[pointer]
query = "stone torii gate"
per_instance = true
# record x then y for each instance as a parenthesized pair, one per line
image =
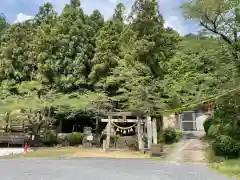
(140, 120)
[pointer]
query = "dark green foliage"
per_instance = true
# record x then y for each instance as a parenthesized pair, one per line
(146, 47)
(179, 134)
(214, 130)
(171, 135)
(114, 139)
(225, 146)
(209, 15)
(49, 138)
(66, 139)
(3, 24)
(63, 139)
(73, 62)
(147, 22)
(204, 70)
(207, 123)
(136, 66)
(223, 127)
(75, 138)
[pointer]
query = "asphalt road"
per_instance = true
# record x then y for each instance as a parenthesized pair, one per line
(102, 169)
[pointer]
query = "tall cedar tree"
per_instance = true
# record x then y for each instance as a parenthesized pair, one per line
(66, 65)
(108, 51)
(141, 69)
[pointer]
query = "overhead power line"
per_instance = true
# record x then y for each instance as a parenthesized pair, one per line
(190, 105)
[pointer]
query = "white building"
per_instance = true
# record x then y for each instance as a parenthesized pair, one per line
(186, 121)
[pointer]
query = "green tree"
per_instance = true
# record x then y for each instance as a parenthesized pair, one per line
(201, 68)
(3, 24)
(148, 23)
(17, 61)
(146, 47)
(217, 17)
(46, 14)
(68, 46)
(108, 46)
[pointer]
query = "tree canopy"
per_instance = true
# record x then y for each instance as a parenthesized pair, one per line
(76, 61)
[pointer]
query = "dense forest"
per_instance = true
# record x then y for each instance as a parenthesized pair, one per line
(73, 62)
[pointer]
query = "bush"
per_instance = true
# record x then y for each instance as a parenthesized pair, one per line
(207, 123)
(63, 139)
(225, 146)
(170, 135)
(49, 138)
(70, 139)
(231, 129)
(75, 138)
(114, 139)
(179, 134)
(214, 130)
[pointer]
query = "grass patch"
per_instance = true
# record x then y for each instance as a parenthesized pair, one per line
(72, 152)
(171, 146)
(230, 167)
(46, 153)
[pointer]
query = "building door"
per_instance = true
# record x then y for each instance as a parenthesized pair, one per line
(188, 121)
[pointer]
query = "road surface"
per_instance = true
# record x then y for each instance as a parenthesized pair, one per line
(103, 169)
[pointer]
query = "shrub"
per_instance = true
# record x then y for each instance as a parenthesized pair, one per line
(179, 134)
(49, 138)
(170, 135)
(231, 129)
(75, 138)
(207, 123)
(214, 130)
(63, 139)
(225, 146)
(70, 139)
(114, 140)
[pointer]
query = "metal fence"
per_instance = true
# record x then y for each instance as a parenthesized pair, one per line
(190, 121)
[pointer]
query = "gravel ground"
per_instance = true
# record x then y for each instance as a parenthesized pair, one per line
(103, 169)
(8, 151)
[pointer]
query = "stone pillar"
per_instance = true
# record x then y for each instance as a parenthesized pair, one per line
(149, 131)
(154, 130)
(140, 135)
(104, 145)
(180, 121)
(109, 127)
